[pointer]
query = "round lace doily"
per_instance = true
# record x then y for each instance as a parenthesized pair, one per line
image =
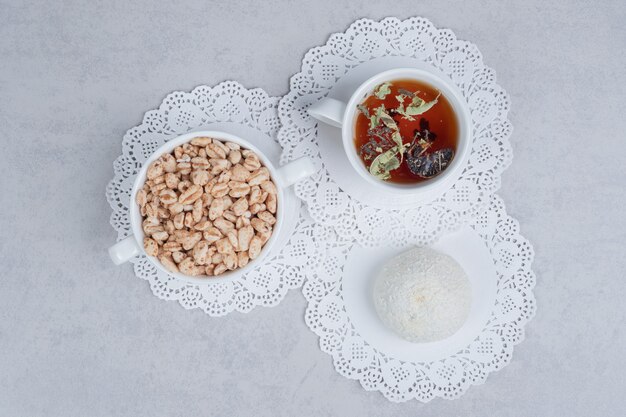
(251, 114)
(451, 375)
(368, 47)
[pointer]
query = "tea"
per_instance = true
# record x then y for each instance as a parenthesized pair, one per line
(406, 132)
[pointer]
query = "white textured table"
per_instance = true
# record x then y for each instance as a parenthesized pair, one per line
(80, 337)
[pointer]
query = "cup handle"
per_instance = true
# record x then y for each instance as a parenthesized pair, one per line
(123, 250)
(329, 111)
(296, 170)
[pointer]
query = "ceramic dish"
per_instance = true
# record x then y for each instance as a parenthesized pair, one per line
(336, 113)
(283, 177)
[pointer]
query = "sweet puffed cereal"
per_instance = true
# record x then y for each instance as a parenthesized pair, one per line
(208, 207)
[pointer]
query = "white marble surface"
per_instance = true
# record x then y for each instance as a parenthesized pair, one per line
(80, 337)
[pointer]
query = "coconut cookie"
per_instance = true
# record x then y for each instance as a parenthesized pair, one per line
(422, 295)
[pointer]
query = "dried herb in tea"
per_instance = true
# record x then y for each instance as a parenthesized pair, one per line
(406, 132)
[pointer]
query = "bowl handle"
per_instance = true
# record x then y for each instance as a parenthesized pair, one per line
(295, 170)
(123, 250)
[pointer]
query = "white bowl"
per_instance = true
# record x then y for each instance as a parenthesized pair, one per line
(283, 177)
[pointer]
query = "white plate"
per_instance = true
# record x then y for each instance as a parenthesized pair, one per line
(361, 268)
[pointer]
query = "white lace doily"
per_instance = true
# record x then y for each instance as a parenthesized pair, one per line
(388, 43)
(229, 107)
(398, 380)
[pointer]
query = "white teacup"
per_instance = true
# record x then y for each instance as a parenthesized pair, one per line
(343, 115)
(283, 177)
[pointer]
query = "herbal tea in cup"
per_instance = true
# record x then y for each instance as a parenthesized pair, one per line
(403, 130)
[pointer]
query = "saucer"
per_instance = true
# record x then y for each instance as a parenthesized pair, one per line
(468, 249)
